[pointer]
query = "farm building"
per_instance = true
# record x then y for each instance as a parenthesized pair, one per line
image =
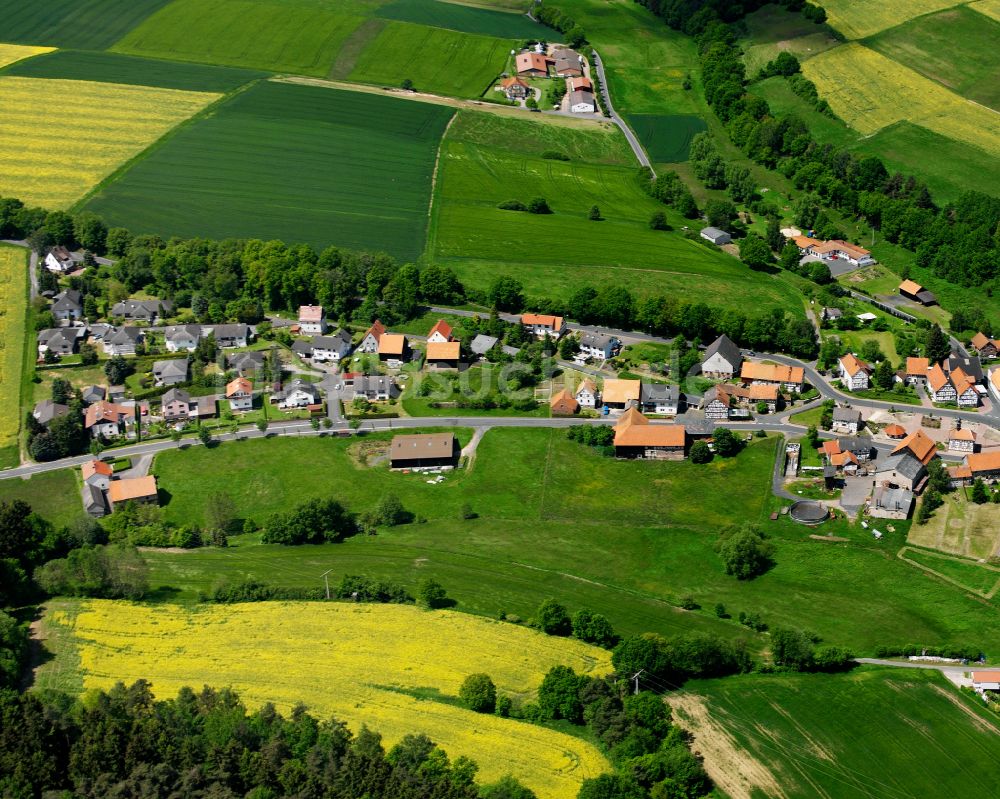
(423, 450)
(716, 236)
(514, 88)
(619, 393)
(722, 359)
(444, 354)
(393, 349)
(914, 291)
(918, 444)
(440, 333)
(972, 366)
(790, 378)
(563, 404)
(635, 437)
(900, 471)
(891, 503)
(985, 681)
(985, 465)
(582, 102)
(133, 489)
(567, 63)
(833, 249)
(312, 320)
(916, 370)
(533, 64)
(984, 346)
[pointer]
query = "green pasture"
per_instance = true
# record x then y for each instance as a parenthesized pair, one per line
(667, 138)
(434, 60)
(118, 68)
(773, 29)
(298, 36)
(872, 732)
(783, 102)
(465, 19)
(969, 573)
(291, 162)
(955, 47)
(55, 495)
(91, 24)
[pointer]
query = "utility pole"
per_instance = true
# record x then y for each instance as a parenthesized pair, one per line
(635, 679)
(326, 581)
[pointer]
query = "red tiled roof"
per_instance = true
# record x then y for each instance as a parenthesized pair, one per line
(441, 327)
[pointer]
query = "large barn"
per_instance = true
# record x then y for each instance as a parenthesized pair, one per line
(424, 450)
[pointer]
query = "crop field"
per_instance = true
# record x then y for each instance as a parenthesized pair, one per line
(466, 19)
(435, 60)
(330, 167)
(869, 92)
(87, 24)
(991, 8)
(12, 53)
(13, 312)
(857, 19)
(297, 37)
(667, 138)
(873, 732)
(55, 165)
(118, 68)
(386, 666)
(961, 528)
(928, 45)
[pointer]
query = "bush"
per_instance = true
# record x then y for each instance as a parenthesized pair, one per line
(115, 571)
(555, 155)
(553, 618)
(512, 205)
(658, 221)
(432, 594)
(361, 589)
(700, 452)
(478, 693)
(538, 205)
(745, 552)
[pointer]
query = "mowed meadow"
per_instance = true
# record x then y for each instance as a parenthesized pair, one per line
(292, 162)
(396, 669)
(44, 162)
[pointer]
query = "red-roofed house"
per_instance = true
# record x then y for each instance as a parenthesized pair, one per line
(542, 325)
(311, 320)
(514, 88)
(855, 374)
(369, 342)
(440, 333)
(984, 346)
(535, 65)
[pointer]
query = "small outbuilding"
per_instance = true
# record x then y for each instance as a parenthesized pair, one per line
(716, 236)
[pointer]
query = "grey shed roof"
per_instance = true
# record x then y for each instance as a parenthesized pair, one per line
(893, 498)
(333, 341)
(972, 366)
(47, 410)
(482, 344)
(903, 463)
(302, 347)
(652, 392)
(175, 368)
(581, 97)
(714, 232)
(93, 394)
(846, 415)
(93, 499)
(855, 445)
(725, 347)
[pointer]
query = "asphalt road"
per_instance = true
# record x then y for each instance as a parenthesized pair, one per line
(633, 142)
(954, 673)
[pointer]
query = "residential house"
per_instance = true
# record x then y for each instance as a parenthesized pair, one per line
(47, 411)
(60, 260)
(855, 374)
(847, 420)
(60, 340)
(914, 291)
(239, 392)
(535, 65)
(901, 470)
(983, 681)
(986, 347)
(92, 394)
(586, 393)
(582, 102)
(568, 64)
(440, 333)
(133, 489)
(245, 363)
(598, 346)
(984, 465)
(841, 460)
(514, 88)
(971, 365)
(838, 249)
(717, 403)
(735, 401)
(122, 341)
(444, 355)
(939, 387)
(334, 347)
(178, 405)
(580, 84)
(423, 451)
(994, 383)
(375, 388)
(230, 336)
(148, 311)
(97, 473)
(859, 446)
(109, 419)
(393, 350)
(661, 399)
(370, 340)
(966, 389)
(620, 394)
(312, 320)
(722, 359)
(916, 370)
(482, 344)
(564, 404)
(182, 338)
(918, 444)
(636, 437)
(303, 347)
(170, 373)
(789, 378)
(891, 503)
(298, 394)
(716, 236)
(830, 314)
(67, 306)
(542, 325)
(961, 439)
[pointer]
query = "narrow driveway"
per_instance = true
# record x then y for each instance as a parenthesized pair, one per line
(633, 141)
(954, 673)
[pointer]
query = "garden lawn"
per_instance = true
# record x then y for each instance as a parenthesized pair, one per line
(55, 165)
(298, 37)
(465, 19)
(54, 495)
(397, 669)
(118, 68)
(88, 24)
(434, 60)
(329, 166)
(13, 323)
(872, 732)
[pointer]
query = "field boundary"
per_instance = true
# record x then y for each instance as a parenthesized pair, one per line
(432, 204)
(964, 561)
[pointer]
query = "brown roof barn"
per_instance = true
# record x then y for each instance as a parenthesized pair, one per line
(564, 404)
(423, 449)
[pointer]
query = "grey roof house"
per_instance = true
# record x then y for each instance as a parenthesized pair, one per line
(67, 305)
(246, 362)
(92, 394)
(482, 344)
(47, 410)
(60, 340)
(661, 398)
(170, 373)
(847, 420)
(375, 387)
(142, 310)
(599, 345)
(722, 359)
(182, 337)
(230, 335)
(122, 341)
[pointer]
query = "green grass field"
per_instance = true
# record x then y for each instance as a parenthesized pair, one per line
(938, 46)
(300, 37)
(53, 494)
(773, 29)
(118, 68)
(91, 24)
(667, 138)
(465, 19)
(974, 576)
(282, 147)
(873, 732)
(435, 60)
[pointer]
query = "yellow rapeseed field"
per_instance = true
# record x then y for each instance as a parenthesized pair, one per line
(355, 662)
(857, 19)
(9, 53)
(869, 92)
(59, 138)
(990, 8)
(13, 310)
